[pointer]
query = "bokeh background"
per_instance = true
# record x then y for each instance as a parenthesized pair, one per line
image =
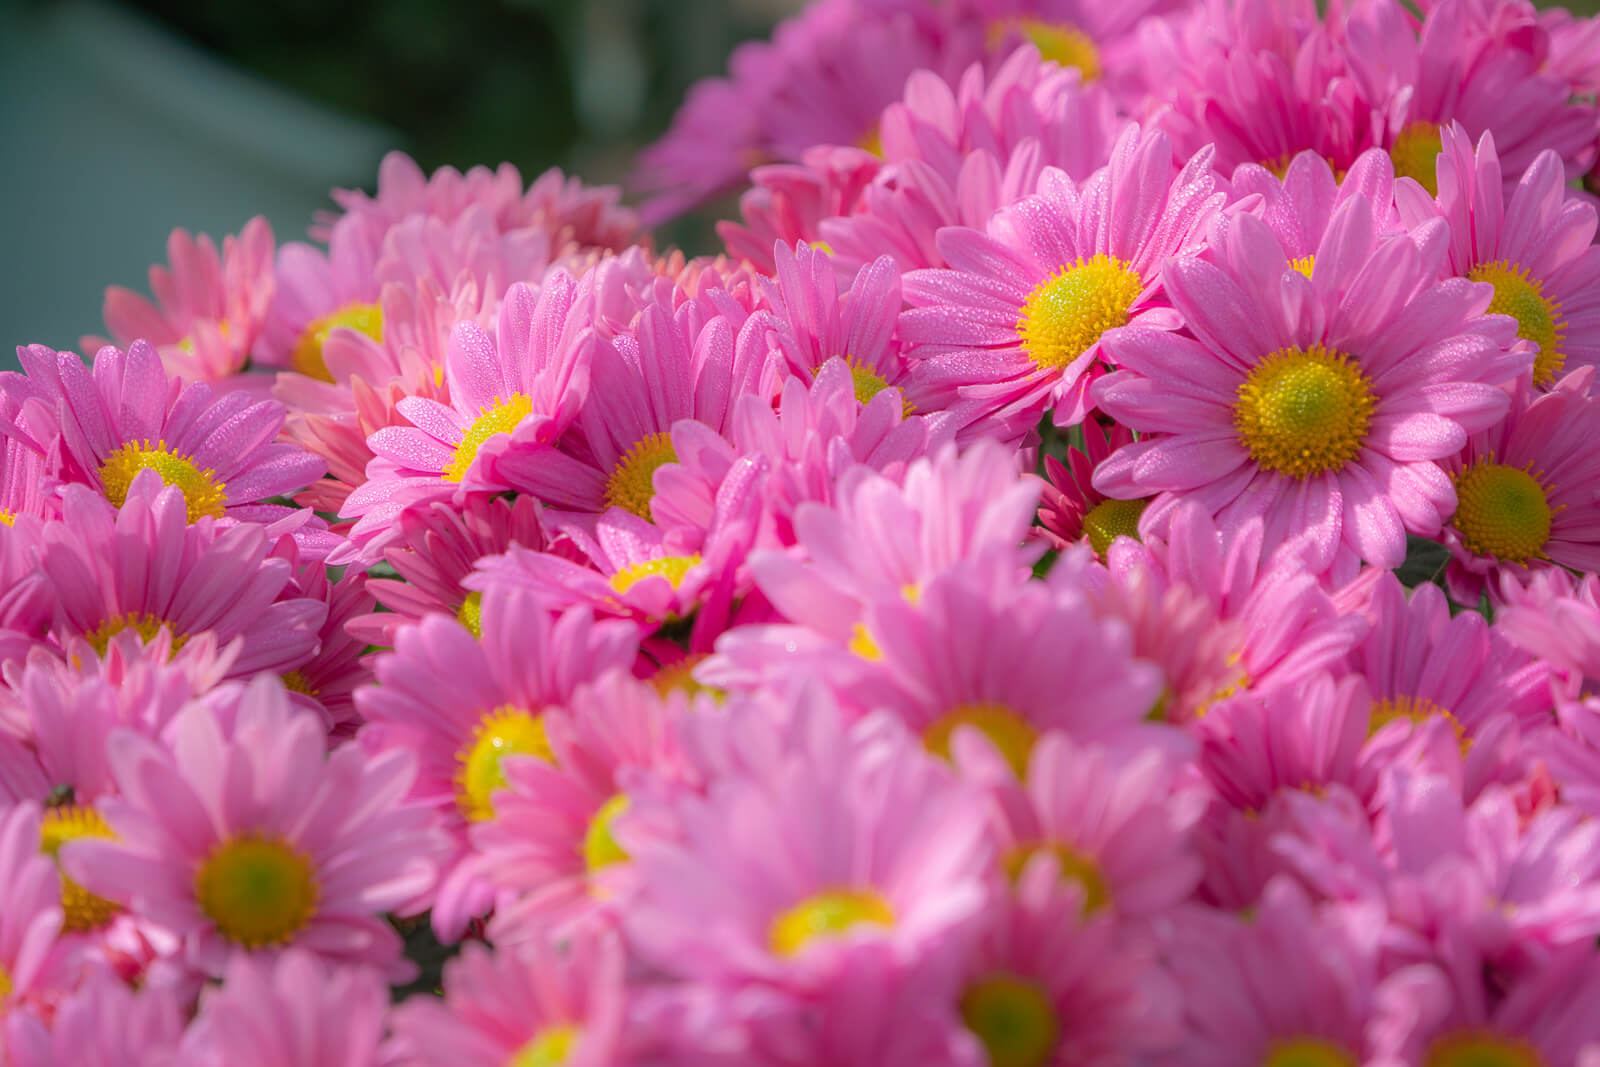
(121, 121)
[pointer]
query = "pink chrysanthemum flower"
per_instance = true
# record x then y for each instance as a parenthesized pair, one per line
(906, 863)
(1092, 39)
(515, 391)
(1241, 1004)
(244, 836)
(1048, 987)
(1533, 241)
(1322, 402)
(124, 415)
(317, 293)
(438, 546)
(102, 1023)
(208, 309)
(1525, 491)
(1072, 509)
(1473, 63)
(31, 920)
(787, 202)
(1110, 821)
(555, 847)
(1420, 662)
(145, 569)
(1556, 618)
(1219, 613)
(463, 704)
(296, 1008)
(1016, 323)
(327, 681)
(536, 1003)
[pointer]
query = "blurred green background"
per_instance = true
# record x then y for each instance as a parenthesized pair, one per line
(120, 121)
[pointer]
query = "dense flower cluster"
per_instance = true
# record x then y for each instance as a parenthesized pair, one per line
(1102, 571)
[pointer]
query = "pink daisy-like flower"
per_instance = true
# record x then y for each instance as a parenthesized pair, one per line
(1533, 241)
(1048, 987)
(124, 416)
(31, 920)
(1072, 509)
(438, 546)
(144, 568)
(328, 680)
(787, 202)
(1111, 821)
(244, 836)
(1242, 1004)
(1323, 403)
(293, 1009)
(515, 391)
(535, 1003)
(746, 891)
(319, 293)
(463, 704)
(208, 309)
(555, 846)
(1524, 491)
(1092, 39)
(1016, 323)
(1420, 662)
(102, 1023)
(1556, 618)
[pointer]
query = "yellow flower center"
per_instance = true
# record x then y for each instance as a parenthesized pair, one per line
(1417, 710)
(1416, 155)
(1304, 411)
(672, 568)
(825, 915)
(1469, 1048)
(868, 383)
(550, 1047)
(1009, 732)
(5, 984)
(257, 890)
(297, 682)
(632, 483)
(1307, 1052)
(505, 731)
(1074, 866)
(1539, 318)
(1111, 519)
(1013, 1018)
(81, 910)
(502, 416)
(202, 492)
(679, 677)
(470, 613)
(600, 848)
(307, 356)
(871, 141)
(1059, 42)
(1304, 264)
(1502, 512)
(8, 517)
(143, 623)
(1070, 310)
(862, 644)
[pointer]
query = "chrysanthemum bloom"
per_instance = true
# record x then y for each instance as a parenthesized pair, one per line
(1242, 1004)
(1049, 988)
(296, 1008)
(1476, 64)
(1422, 663)
(1532, 241)
(101, 1023)
(1557, 618)
(537, 1003)
(1072, 509)
(808, 439)
(245, 836)
(1016, 322)
(555, 846)
(1110, 821)
(144, 568)
(906, 863)
(1219, 612)
(786, 202)
(1323, 404)
(31, 920)
(674, 364)
(317, 293)
(327, 681)
(1525, 492)
(124, 415)
(208, 309)
(463, 703)
(954, 154)
(516, 390)
(1094, 40)
(438, 545)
